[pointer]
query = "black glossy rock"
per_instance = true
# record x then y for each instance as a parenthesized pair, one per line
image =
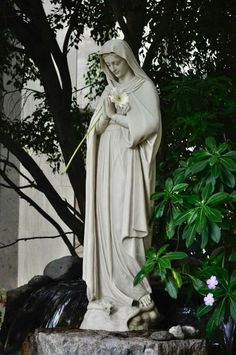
(65, 268)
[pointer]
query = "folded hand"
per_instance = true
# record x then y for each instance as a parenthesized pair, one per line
(108, 108)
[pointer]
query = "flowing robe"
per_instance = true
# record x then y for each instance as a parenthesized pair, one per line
(121, 171)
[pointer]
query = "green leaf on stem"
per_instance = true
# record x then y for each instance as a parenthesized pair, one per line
(231, 154)
(171, 288)
(181, 218)
(216, 318)
(175, 255)
(228, 163)
(232, 281)
(213, 214)
(179, 187)
(233, 309)
(215, 232)
(232, 257)
(204, 239)
(207, 191)
(159, 209)
(217, 198)
(210, 143)
(177, 277)
(203, 309)
(197, 283)
(228, 178)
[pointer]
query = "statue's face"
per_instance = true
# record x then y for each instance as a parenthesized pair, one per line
(117, 65)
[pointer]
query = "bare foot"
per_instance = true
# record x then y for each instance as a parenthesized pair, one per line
(145, 301)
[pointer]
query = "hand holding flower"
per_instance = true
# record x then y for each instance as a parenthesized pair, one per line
(122, 110)
(108, 108)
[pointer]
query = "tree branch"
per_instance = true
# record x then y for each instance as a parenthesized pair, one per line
(31, 238)
(40, 44)
(45, 186)
(41, 211)
(165, 20)
(71, 27)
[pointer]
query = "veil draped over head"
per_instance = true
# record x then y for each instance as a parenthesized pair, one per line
(123, 50)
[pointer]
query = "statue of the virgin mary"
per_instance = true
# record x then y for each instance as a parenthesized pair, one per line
(121, 172)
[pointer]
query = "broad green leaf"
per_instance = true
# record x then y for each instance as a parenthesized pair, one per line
(177, 277)
(157, 195)
(151, 253)
(216, 318)
(162, 249)
(161, 272)
(193, 199)
(223, 147)
(210, 143)
(211, 180)
(233, 196)
(232, 257)
(181, 218)
(201, 220)
(233, 309)
(176, 198)
(171, 288)
(223, 277)
(193, 213)
(169, 184)
(207, 191)
(203, 309)
(197, 167)
(149, 266)
(231, 154)
(197, 283)
(200, 154)
(190, 234)
(215, 170)
(175, 255)
(159, 209)
(228, 178)
(213, 214)
(215, 232)
(233, 279)
(139, 277)
(217, 198)
(179, 187)
(164, 263)
(204, 239)
(170, 229)
(228, 163)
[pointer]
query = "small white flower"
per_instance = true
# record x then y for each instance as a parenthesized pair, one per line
(118, 97)
(212, 282)
(209, 299)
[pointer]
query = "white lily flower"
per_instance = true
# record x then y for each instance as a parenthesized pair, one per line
(119, 98)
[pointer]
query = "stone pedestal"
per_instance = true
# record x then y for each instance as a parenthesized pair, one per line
(86, 342)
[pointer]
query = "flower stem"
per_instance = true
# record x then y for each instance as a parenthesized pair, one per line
(81, 142)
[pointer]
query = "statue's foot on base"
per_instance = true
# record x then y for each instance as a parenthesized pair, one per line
(146, 317)
(146, 302)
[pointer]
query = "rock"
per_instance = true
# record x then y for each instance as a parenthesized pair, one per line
(189, 331)
(84, 342)
(65, 268)
(177, 332)
(161, 335)
(39, 280)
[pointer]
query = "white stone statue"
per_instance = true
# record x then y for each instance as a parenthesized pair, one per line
(121, 174)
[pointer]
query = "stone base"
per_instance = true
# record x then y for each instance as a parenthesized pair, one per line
(106, 316)
(85, 342)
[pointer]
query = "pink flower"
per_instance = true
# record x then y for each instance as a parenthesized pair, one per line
(212, 282)
(209, 299)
